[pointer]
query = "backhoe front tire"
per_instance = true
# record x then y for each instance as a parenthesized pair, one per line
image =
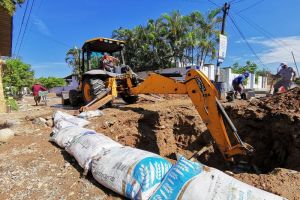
(91, 88)
(73, 97)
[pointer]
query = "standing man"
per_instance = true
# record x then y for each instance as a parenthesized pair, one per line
(238, 84)
(36, 88)
(286, 75)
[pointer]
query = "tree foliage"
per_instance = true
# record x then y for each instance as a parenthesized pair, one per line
(73, 59)
(17, 74)
(10, 5)
(171, 39)
(239, 69)
(51, 82)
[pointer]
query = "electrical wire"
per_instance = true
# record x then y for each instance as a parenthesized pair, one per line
(263, 31)
(28, 18)
(17, 41)
(214, 3)
(53, 39)
(251, 6)
(234, 2)
(245, 40)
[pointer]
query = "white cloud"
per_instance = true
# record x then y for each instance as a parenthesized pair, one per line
(48, 65)
(278, 50)
(41, 26)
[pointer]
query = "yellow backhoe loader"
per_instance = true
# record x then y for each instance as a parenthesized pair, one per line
(98, 87)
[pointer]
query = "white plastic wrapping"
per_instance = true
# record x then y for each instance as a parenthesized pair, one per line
(187, 180)
(60, 116)
(130, 172)
(64, 136)
(88, 145)
(216, 185)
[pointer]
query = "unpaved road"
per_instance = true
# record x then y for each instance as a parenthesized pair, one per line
(33, 168)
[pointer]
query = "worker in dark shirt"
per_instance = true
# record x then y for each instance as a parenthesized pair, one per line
(36, 88)
(238, 83)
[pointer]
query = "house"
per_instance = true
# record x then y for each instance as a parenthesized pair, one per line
(72, 84)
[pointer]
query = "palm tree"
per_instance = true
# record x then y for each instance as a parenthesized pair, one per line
(210, 30)
(73, 59)
(171, 39)
(175, 29)
(10, 5)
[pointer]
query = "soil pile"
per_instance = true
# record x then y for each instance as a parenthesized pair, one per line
(280, 181)
(160, 128)
(285, 103)
(272, 126)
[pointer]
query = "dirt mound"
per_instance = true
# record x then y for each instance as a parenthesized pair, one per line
(286, 102)
(160, 128)
(280, 181)
(272, 126)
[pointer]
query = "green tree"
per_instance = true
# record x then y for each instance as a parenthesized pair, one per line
(51, 82)
(239, 69)
(17, 74)
(73, 59)
(10, 5)
(171, 39)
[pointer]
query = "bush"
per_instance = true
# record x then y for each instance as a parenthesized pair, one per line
(12, 103)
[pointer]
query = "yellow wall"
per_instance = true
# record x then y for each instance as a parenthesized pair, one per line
(2, 100)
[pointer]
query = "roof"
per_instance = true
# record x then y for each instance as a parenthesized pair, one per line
(70, 76)
(103, 45)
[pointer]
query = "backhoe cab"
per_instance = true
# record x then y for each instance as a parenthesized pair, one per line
(93, 78)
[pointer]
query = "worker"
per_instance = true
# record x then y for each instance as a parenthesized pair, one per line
(108, 62)
(238, 83)
(36, 88)
(286, 75)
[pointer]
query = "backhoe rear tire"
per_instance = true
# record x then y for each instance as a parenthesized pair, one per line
(130, 99)
(91, 88)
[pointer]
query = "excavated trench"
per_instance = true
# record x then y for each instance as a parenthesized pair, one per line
(273, 131)
(275, 136)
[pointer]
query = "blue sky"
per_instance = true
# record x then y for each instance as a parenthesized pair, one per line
(56, 26)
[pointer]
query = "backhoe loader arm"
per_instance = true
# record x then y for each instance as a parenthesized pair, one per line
(205, 99)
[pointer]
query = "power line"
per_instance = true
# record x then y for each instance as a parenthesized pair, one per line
(214, 3)
(17, 41)
(25, 27)
(244, 38)
(54, 40)
(251, 6)
(263, 31)
(234, 2)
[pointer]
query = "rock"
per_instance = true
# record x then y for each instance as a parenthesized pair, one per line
(6, 134)
(254, 101)
(40, 185)
(71, 194)
(49, 122)
(12, 122)
(67, 165)
(49, 117)
(39, 121)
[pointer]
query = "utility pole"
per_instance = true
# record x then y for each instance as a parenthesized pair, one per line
(225, 13)
(225, 10)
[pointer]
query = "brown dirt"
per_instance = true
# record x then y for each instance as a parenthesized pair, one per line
(280, 181)
(272, 126)
(33, 168)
